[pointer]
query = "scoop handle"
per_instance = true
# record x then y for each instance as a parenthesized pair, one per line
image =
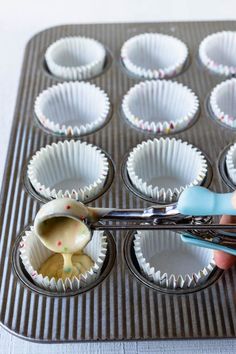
(200, 201)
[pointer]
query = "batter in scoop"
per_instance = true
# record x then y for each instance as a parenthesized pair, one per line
(64, 235)
(54, 266)
(68, 237)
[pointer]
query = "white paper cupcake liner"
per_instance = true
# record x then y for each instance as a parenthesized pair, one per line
(170, 263)
(160, 106)
(71, 169)
(33, 254)
(231, 163)
(154, 55)
(223, 102)
(217, 52)
(72, 108)
(75, 58)
(162, 168)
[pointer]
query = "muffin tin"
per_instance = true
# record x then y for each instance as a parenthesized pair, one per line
(122, 303)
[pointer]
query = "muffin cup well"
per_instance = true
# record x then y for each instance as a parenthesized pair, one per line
(154, 55)
(160, 106)
(231, 163)
(75, 58)
(162, 168)
(72, 108)
(71, 169)
(223, 102)
(33, 254)
(217, 53)
(170, 263)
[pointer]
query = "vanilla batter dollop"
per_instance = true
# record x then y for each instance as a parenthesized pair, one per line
(54, 266)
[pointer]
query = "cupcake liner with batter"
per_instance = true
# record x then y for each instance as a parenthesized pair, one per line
(33, 254)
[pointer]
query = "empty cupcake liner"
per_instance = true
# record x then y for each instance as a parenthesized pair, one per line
(71, 169)
(72, 108)
(231, 163)
(33, 254)
(170, 263)
(160, 106)
(223, 102)
(217, 52)
(75, 58)
(154, 55)
(162, 168)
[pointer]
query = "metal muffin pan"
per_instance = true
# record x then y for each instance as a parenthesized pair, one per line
(123, 305)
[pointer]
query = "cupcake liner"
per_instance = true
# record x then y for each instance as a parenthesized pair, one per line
(33, 254)
(217, 52)
(72, 108)
(71, 169)
(160, 106)
(231, 163)
(75, 58)
(154, 55)
(162, 168)
(170, 263)
(223, 102)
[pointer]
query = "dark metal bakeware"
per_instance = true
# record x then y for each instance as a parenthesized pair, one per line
(122, 306)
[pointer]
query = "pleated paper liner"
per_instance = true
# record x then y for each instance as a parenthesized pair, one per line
(72, 108)
(170, 263)
(160, 106)
(154, 55)
(71, 169)
(33, 254)
(217, 53)
(75, 58)
(231, 163)
(163, 168)
(223, 102)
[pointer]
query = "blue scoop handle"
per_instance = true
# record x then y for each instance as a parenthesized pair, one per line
(200, 201)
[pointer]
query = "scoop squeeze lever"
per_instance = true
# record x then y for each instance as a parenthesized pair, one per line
(200, 201)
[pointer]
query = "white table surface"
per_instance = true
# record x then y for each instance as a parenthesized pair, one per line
(20, 20)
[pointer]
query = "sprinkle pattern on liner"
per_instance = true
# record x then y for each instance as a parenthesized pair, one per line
(160, 106)
(48, 170)
(75, 58)
(72, 108)
(217, 53)
(154, 55)
(162, 168)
